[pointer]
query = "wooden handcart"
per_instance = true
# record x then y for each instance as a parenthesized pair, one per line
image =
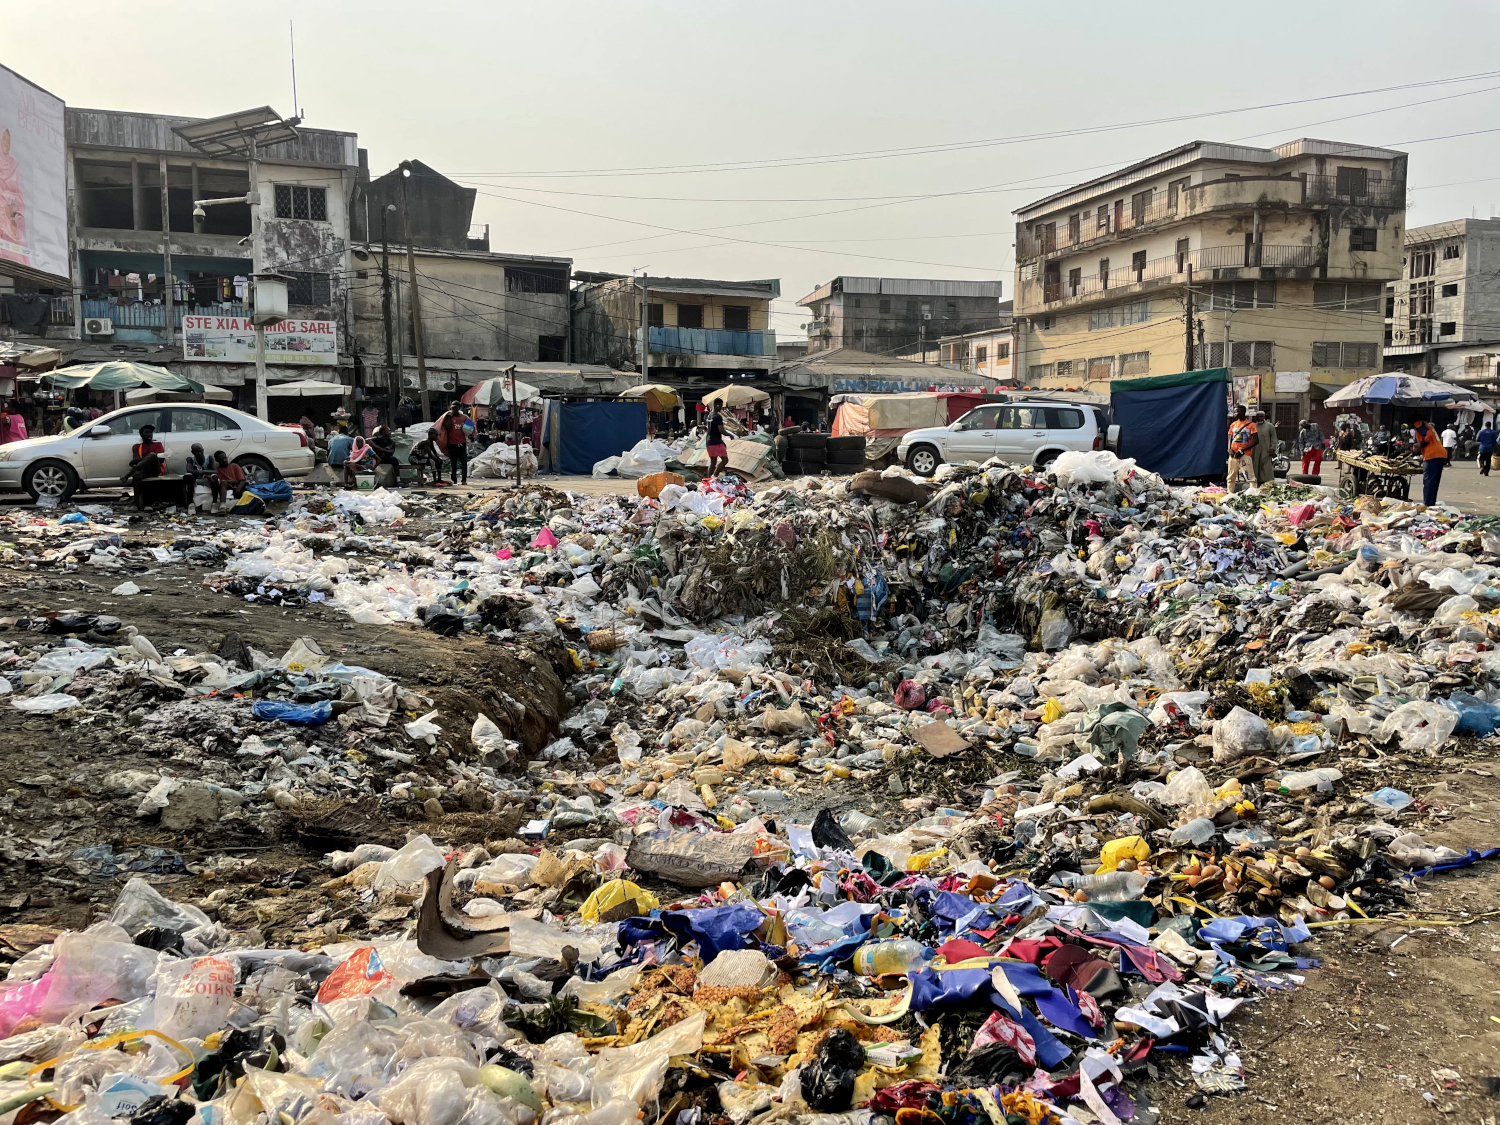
(1362, 474)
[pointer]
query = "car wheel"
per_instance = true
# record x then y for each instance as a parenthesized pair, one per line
(51, 479)
(257, 469)
(1045, 459)
(923, 460)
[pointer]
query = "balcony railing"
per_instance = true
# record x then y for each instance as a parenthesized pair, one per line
(139, 315)
(1372, 193)
(59, 312)
(1203, 259)
(1312, 189)
(712, 341)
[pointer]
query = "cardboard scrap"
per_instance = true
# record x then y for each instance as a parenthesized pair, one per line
(939, 739)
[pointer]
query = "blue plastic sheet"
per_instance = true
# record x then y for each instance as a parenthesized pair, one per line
(588, 432)
(273, 491)
(1177, 432)
(1266, 931)
(1471, 856)
(715, 928)
(1475, 716)
(297, 714)
(1061, 1012)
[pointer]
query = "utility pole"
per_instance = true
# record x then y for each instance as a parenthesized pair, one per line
(1189, 365)
(515, 420)
(645, 321)
(416, 304)
(166, 251)
(262, 408)
(392, 373)
(1228, 316)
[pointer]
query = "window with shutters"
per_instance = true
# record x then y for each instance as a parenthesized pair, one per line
(1075, 282)
(1135, 363)
(1104, 273)
(1102, 222)
(1354, 296)
(1075, 228)
(295, 201)
(1140, 203)
(1352, 181)
(1361, 238)
(1138, 264)
(981, 354)
(1002, 350)
(1065, 369)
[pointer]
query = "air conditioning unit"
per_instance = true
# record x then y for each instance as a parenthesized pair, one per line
(98, 326)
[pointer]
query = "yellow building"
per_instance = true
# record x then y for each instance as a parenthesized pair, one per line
(1280, 257)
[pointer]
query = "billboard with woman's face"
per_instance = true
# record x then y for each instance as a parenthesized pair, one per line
(33, 181)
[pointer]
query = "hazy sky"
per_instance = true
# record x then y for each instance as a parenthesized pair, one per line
(487, 91)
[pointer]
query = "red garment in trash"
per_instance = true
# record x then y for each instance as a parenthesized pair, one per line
(1033, 949)
(960, 949)
(1000, 1028)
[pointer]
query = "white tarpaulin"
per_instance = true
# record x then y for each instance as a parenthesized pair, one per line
(33, 177)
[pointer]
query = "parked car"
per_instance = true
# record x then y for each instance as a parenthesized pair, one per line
(99, 453)
(1023, 433)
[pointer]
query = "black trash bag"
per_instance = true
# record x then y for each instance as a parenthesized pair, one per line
(826, 833)
(502, 1056)
(161, 1110)
(444, 624)
(828, 1081)
(1054, 860)
(996, 1064)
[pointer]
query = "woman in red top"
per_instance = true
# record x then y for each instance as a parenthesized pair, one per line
(454, 439)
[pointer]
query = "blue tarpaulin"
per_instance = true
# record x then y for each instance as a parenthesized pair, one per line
(1175, 425)
(591, 431)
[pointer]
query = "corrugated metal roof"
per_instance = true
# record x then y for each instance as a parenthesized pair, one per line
(904, 287)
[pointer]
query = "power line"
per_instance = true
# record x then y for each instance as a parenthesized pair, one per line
(958, 146)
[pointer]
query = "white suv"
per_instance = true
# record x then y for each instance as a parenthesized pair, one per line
(98, 453)
(1023, 433)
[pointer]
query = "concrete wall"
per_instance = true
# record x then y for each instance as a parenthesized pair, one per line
(441, 211)
(467, 310)
(856, 320)
(607, 320)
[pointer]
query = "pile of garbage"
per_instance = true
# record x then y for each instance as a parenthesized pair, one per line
(979, 795)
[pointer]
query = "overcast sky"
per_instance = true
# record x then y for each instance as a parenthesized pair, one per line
(487, 91)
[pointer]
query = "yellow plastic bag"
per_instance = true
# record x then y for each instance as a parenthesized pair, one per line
(1126, 847)
(1052, 710)
(615, 893)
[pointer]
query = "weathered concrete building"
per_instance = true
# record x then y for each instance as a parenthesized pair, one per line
(1287, 249)
(888, 315)
(132, 185)
(1442, 315)
(487, 309)
(700, 330)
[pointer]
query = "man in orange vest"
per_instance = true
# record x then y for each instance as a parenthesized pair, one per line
(1242, 440)
(1434, 457)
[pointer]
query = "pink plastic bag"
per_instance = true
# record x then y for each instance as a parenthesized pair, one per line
(910, 695)
(544, 538)
(21, 1002)
(1300, 514)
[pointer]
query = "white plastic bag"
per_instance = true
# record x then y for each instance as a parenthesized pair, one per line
(46, 704)
(432, 1091)
(1420, 725)
(1241, 734)
(424, 729)
(1187, 787)
(409, 865)
(193, 996)
(1097, 467)
(491, 742)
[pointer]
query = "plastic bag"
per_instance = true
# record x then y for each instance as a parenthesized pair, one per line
(1186, 787)
(791, 721)
(98, 964)
(537, 939)
(910, 696)
(193, 997)
(1055, 630)
(1240, 734)
(429, 1092)
(361, 973)
(409, 865)
(490, 740)
(1420, 725)
(828, 1080)
(46, 704)
(142, 907)
(297, 714)
(424, 729)
(636, 1072)
(603, 469)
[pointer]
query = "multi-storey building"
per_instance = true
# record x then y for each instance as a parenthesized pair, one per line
(1442, 316)
(1279, 255)
(896, 315)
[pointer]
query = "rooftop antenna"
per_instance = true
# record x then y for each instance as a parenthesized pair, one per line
(291, 29)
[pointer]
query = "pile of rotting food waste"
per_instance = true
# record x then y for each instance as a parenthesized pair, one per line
(986, 799)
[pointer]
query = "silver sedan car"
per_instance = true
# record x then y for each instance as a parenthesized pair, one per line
(98, 453)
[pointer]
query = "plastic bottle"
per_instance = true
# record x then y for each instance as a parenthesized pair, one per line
(1197, 831)
(880, 958)
(1321, 779)
(1115, 886)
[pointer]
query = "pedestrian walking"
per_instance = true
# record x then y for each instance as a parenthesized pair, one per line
(1486, 439)
(1242, 438)
(1310, 446)
(1434, 457)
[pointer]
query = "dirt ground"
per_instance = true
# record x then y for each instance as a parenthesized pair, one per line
(1375, 1034)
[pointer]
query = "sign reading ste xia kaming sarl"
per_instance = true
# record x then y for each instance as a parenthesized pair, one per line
(231, 339)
